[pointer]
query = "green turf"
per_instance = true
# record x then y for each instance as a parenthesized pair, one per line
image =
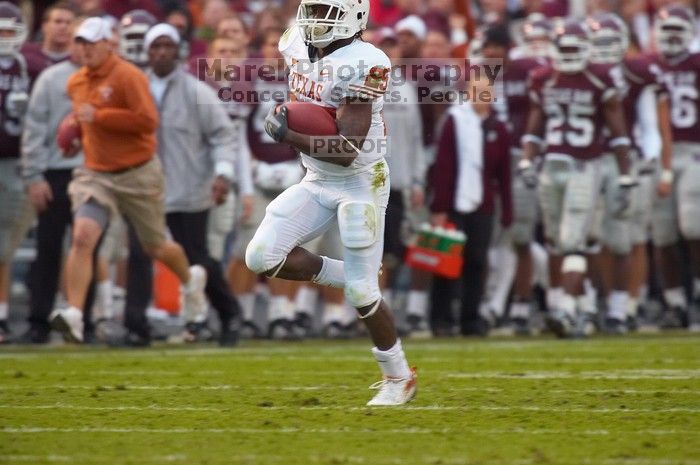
(632, 401)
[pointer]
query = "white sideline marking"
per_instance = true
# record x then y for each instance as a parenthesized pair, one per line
(135, 372)
(111, 408)
(662, 374)
(167, 387)
(609, 374)
(176, 430)
(496, 408)
(354, 459)
(227, 387)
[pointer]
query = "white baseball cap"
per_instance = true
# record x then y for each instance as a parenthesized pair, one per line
(160, 30)
(94, 29)
(413, 24)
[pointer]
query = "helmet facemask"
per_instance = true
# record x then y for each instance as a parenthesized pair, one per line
(10, 42)
(324, 21)
(609, 47)
(673, 37)
(571, 56)
(131, 44)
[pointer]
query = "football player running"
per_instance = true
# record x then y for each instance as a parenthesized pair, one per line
(329, 65)
(571, 102)
(645, 104)
(679, 212)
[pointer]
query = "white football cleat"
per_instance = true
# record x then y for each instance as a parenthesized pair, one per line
(394, 391)
(68, 322)
(195, 302)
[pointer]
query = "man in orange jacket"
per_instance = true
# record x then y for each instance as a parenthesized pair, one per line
(118, 119)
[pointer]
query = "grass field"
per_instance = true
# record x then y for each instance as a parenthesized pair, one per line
(633, 401)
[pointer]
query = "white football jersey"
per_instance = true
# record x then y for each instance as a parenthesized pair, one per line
(357, 70)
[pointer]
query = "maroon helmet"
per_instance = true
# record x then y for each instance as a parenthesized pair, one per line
(133, 27)
(571, 41)
(536, 35)
(11, 20)
(609, 38)
(674, 29)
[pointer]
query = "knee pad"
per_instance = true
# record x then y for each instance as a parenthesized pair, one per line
(362, 292)
(260, 258)
(574, 263)
(358, 223)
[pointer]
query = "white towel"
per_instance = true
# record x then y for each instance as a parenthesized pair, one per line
(470, 158)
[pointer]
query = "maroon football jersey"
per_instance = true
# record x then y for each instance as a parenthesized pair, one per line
(515, 82)
(41, 59)
(640, 73)
(14, 78)
(262, 146)
(683, 81)
(573, 108)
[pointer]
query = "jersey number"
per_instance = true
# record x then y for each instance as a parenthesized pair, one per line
(580, 132)
(684, 109)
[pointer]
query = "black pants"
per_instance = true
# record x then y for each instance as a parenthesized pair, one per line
(139, 286)
(190, 231)
(478, 228)
(46, 269)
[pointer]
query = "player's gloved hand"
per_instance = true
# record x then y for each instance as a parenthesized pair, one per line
(626, 185)
(276, 123)
(526, 170)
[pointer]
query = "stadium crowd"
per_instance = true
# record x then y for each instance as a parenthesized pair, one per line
(576, 182)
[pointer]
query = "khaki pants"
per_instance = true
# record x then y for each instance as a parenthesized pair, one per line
(137, 193)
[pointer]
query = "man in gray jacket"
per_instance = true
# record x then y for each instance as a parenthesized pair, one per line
(198, 150)
(46, 174)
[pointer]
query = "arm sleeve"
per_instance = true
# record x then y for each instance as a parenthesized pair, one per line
(443, 173)
(218, 132)
(139, 116)
(36, 145)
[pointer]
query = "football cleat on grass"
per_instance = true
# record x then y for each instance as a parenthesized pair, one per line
(561, 324)
(521, 326)
(197, 332)
(304, 324)
(674, 318)
(249, 330)
(394, 391)
(68, 322)
(282, 329)
(615, 327)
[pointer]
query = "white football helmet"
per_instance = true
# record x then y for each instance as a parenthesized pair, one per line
(11, 20)
(340, 20)
(674, 29)
(133, 27)
(571, 42)
(609, 37)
